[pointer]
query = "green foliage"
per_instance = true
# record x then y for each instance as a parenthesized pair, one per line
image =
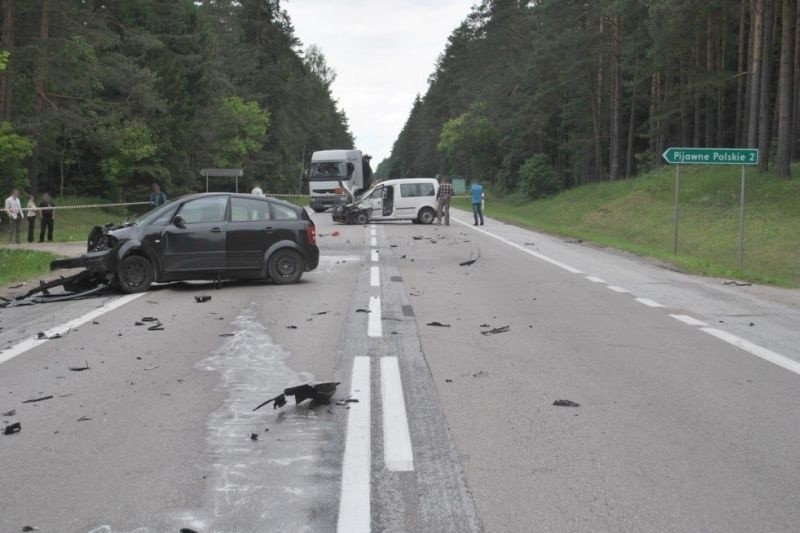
(4, 57)
(469, 141)
(14, 150)
(242, 128)
(20, 265)
(537, 177)
(129, 146)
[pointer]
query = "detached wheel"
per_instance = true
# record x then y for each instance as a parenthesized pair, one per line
(360, 218)
(135, 274)
(427, 216)
(285, 267)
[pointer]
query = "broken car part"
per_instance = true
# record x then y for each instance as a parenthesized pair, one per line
(16, 427)
(319, 393)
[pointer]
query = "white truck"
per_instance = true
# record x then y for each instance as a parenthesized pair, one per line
(328, 168)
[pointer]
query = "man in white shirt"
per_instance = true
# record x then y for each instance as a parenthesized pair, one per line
(257, 190)
(14, 211)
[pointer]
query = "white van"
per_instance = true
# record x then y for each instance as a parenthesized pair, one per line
(401, 199)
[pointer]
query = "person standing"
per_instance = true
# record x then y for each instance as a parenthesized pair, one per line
(477, 202)
(30, 216)
(48, 217)
(157, 197)
(257, 190)
(444, 195)
(14, 212)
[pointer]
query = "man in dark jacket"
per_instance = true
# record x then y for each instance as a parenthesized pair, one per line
(48, 217)
(157, 197)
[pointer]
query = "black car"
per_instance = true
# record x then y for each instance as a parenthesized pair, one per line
(209, 236)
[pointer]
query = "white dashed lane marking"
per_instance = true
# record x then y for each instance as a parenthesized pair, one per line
(689, 320)
(397, 451)
(374, 256)
(618, 289)
(648, 302)
(354, 502)
(374, 326)
(594, 279)
(374, 277)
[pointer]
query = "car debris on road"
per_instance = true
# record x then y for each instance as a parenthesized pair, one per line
(319, 393)
(566, 403)
(16, 427)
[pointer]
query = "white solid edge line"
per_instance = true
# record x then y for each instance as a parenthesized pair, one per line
(354, 501)
(618, 289)
(33, 342)
(374, 276)
(373, 241)
(648, 302)
(373, 232)
(594, 279)
(374, 256)
(758, 351)
(397, 451)
(374, 326)
(537, 255)
(691, 321)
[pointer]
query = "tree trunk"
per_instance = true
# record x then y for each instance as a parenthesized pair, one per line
(755, 72)
(615, 141)
(629, 159)
(598, 146)
(765, 111)
(785, 90)
(38, 86)
(710, 67)
(7, 38)
(722, 100)
(796, 83)
(740, 76)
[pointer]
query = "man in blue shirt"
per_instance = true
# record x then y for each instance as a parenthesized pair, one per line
(477, 201)
(157, 197)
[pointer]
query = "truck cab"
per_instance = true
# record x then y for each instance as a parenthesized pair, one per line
(329, 168)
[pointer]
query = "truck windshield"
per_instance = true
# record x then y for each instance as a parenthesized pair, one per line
(328, 171)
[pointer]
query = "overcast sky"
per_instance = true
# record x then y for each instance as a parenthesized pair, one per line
(383, 52)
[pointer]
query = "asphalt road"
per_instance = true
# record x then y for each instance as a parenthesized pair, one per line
(687, 388)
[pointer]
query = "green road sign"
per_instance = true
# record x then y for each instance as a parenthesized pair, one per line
(711, 156)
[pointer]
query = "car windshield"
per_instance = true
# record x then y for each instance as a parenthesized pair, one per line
(327, 171)
(153, 214)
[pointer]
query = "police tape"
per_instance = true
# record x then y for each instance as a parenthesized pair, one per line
(80, 206)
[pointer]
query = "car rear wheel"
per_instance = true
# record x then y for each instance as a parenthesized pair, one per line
(135, 274)
(360, 218)
(285, 267)
(427, 216)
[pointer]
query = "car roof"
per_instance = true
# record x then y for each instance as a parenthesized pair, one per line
(408, 180)
(236, 195)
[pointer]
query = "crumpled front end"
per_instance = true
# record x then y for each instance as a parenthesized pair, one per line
(100, 258)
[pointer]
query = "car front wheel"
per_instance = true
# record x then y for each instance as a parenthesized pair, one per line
(285, 267)
(135, 274)
(361, 218)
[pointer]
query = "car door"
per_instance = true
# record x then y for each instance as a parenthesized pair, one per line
(197, 242)
(376, 203)
(250, 233)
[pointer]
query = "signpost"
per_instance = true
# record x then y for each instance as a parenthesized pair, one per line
(710, 156)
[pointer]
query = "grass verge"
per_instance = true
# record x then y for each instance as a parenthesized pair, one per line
(637, 216)
(21, 265)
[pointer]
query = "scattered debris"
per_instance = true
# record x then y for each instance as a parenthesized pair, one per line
(43, 335)
(530, 244)
(226, 334)
(417, 237)
(34, 400)
(738, 284)
(30, 528)
(151, 367)
(448, 381)
(17, 286)
(16, 427)
(392, 246)
(566, 403)
(363, 311)
(291, 327)
(202, 298)
(156, 327)
(751, 324)
(438, 325)
(321, 313)
(480, 374)
(348, 400)
(574, 241)
(467, 263)
(80, 368)
(495, 331)
(335, 233)
(149, 319)
(10, 413)
(253, 436)
(84, 419)
(486, 325)
(319, 392)
(187, 530)
(137, 323)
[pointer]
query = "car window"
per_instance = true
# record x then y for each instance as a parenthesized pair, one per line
(282, 212)
(249, 210)
(164, 218)
(413, 190)
(209, 209)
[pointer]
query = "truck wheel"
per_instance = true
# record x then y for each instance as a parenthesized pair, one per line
(319, 209)
(285, 267)
(135, 274)
(427, 216)
(360, 218)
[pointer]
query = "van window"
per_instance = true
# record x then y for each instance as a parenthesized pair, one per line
(412, 190)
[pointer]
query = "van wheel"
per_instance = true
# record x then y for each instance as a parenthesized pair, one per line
(285, 267)
(318, 209)
(360, 218)
(135, 274)
(426, 216)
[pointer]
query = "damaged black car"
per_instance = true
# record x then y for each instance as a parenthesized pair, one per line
(209, 236)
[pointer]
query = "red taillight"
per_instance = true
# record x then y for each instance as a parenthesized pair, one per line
(311, 234)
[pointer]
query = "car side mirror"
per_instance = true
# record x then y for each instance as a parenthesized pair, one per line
(178, 222)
